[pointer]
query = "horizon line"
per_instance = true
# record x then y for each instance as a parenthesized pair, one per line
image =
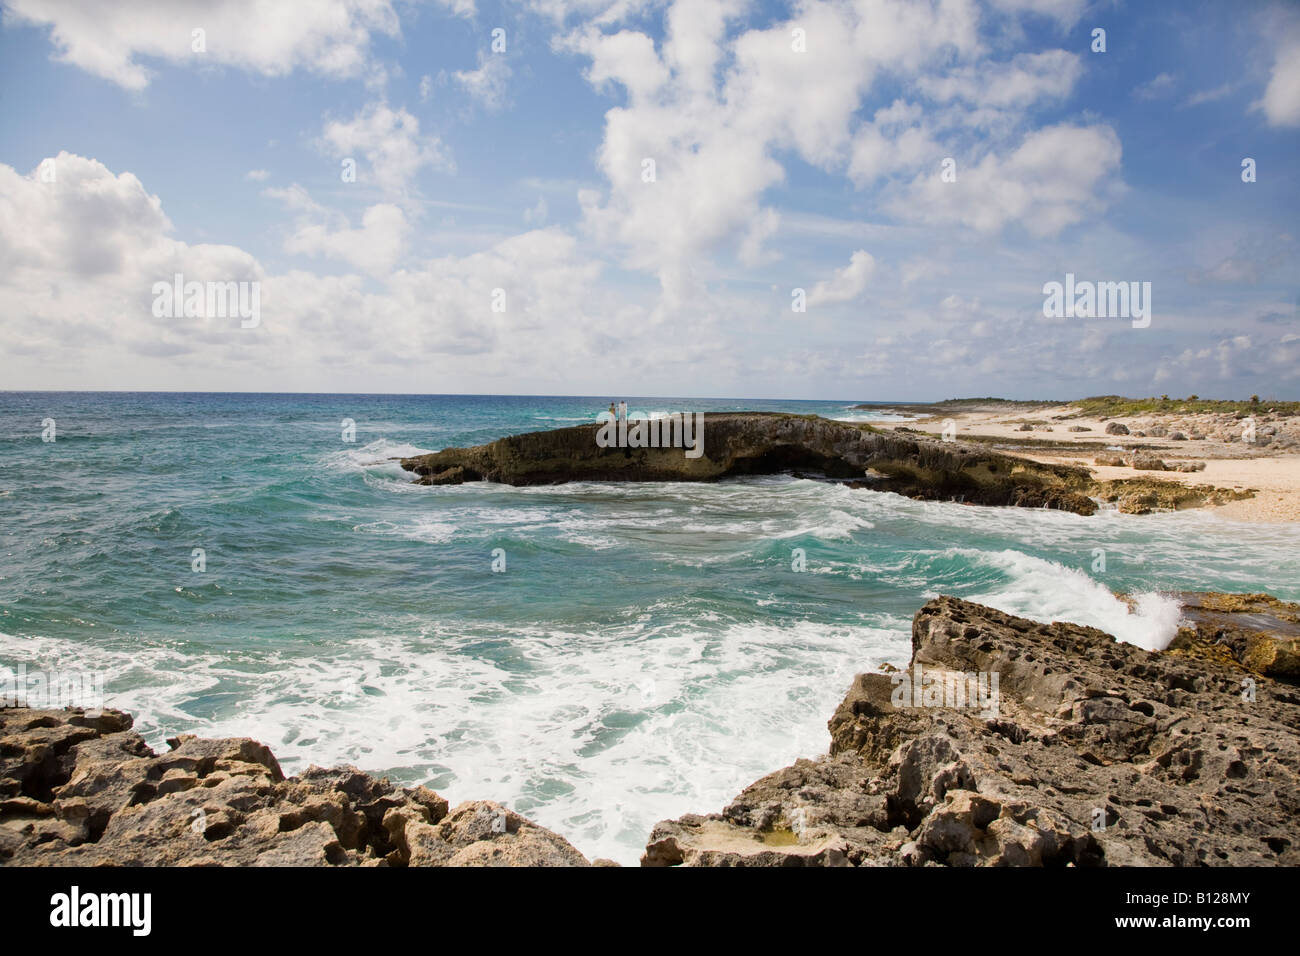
(178, 390)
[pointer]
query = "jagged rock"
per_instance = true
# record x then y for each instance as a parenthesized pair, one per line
(1099, 753)
(1111, 461)
(1026, 427)
(1079, 428)
(1177, 436)
(752, 443)
(1189, 466)
(1116, 428)
(86, 791)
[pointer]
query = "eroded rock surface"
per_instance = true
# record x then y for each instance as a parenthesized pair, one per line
(86, 791)
(1256, 631)
(1099, 753)
(750, 443)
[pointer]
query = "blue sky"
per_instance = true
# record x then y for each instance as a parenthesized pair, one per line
(776, 169)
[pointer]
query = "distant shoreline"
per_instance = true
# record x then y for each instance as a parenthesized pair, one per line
(1169, 433)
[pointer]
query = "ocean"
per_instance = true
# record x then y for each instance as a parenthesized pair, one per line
(232, 566)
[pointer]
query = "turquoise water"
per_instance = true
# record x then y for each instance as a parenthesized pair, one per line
(647, 651)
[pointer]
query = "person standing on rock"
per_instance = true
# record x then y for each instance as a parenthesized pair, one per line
(622, 411)
(613, 412)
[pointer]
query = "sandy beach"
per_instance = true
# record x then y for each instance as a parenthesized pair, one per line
(1268, 466)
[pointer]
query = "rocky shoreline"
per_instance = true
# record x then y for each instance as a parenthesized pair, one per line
(1241, 458)
(1100, 754)
(82, 790)
(899, 460)
(1084, 751)
(760, 443)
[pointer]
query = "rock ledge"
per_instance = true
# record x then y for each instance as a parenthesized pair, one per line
(1099, 754)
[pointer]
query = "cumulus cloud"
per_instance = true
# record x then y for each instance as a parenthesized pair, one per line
(374, 248)
(487, 84)
(846, 283)
(717, 109)
(84, 252)
(711, 111)
(1064, 12)
(1050, 181)
(1027, 78)
(390, 142)
(1235, 357)
(1281, 99)
(110, 40)
(880, 152)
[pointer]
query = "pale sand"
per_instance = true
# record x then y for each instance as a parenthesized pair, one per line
(1276, 482)
(1274, 477)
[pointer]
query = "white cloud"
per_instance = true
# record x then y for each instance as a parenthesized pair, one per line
(487, 84)
(464, 9)
(1253, 257)
(1212, 95)
(110, 40)
(391, 144)
(917, 269)
(1281, 99)
(1050, 181)
(879, 153)
(625, 58)
(1238, 357)
(846, 283)
(1065, 12)
(257, 175)
(82, 255)
(1160, 85)
(536, 216)
(712, 112)
(375, 248)
(1026, 79)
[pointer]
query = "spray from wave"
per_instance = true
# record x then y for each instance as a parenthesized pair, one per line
(1046, 591)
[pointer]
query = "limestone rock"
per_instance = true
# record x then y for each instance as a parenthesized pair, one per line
(1143, 462)
(83, 791)
(1099, 754)
(754, 443)
(1256, 631)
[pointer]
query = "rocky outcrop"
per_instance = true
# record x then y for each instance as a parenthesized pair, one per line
(1097, 753)
(1141, 496)
(82, 790)
(753, 443)
(1255, 631)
